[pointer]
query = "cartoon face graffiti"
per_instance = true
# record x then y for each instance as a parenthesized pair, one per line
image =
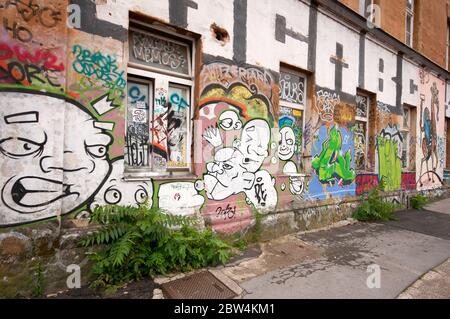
(254, 144)
(226, 175)
(229, 120)
(287, 147)
(117, 192)
(52, 155)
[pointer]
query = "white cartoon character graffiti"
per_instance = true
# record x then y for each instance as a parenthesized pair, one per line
(53, 156)
(237, 169)
(254, 144)
(286, 149)
(180, 198)
(287, 146)
(212, 135)
(229, 120)
(263, 194)
(227, 175)
(116, 191)
(296, 180)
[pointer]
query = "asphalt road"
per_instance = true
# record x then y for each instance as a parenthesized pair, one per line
(402, 250)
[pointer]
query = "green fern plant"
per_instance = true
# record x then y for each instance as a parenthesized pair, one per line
(137, 242)
(418, 201)
(374, 208)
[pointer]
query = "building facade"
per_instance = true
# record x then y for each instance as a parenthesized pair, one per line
(219, 108)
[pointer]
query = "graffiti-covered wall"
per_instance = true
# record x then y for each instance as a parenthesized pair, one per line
(285, 107)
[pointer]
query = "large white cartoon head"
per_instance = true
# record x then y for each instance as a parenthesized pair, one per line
(116, 191)
(287, 146)
(52, 156)
(229, 120)
(226, 175)
(254, 144)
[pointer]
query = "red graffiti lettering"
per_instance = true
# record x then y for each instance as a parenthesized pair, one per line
(40, 57)
(408, 180)
(365, 183)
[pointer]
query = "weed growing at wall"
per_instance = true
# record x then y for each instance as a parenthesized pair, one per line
(251, 235)
(418, 201)
(141, 242)
(374, 208)
(38, 281)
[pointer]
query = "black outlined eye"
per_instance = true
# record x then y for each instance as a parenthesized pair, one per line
(21, 147)
(141, 195)
(97, 151)
(226, 123)
(112, 196)
(227, 166)
(290, 142)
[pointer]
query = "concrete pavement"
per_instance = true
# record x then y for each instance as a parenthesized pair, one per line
(334, 263)
(435, 284)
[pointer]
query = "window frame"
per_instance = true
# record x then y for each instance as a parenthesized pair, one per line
(293, 105)
(407, 131)
(130, 170)
(146, 29)
(297, 106)
(363, 8)
(365, 120)
(156, 76)
(410, 13)
(447, 56)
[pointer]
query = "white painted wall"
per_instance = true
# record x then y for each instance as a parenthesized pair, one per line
(328, 33)
(262, 48)
(410, 73)
(374, 53)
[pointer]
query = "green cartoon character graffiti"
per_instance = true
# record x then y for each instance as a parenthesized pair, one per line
(330, 165)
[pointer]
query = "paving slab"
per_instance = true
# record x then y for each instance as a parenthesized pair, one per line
(435, 284)
(442, 206)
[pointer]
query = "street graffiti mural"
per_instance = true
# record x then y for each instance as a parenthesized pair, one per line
(177, 128)
(332, 163)
(138, 132)
(389, 158)
(38, 67)
(48, 171)
(99, 70)
(72, 124)
(292, 88)
(365, 183)
(115, 191)
(359, 132)
(326, 103)
(408, 181)
(235, 169)
(32, 16)
(155, 51)
(180, 198)
(289, 150)
(431, 122)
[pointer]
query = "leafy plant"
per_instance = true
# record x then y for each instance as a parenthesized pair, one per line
(374, 208)
(38, 289)
(139, 242)
(418, 201)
